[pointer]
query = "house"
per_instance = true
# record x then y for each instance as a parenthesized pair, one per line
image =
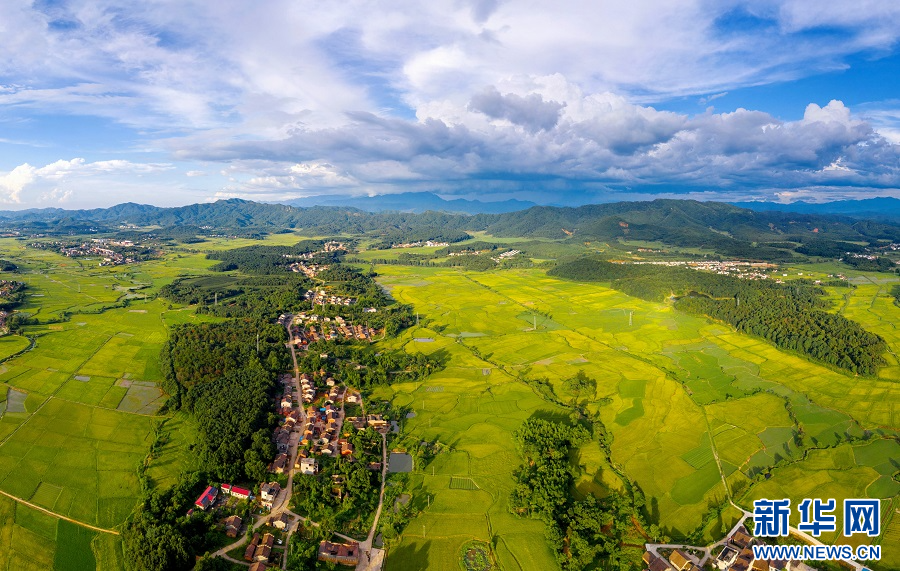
(740, 538)
(264, 549)
(258, 566)
(342, 553)
(760, 565)
(281, 462)
(726, 558)
(236, 492)
(281, 522)
(309, 466)
(251, 549)
(268, 492)
(681, 561)
(655, 563)
(353, 398)
(376, 422)
(208, 498)
(233, 526)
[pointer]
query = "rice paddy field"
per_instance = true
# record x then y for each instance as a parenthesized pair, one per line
(78, 411)
(699, 414)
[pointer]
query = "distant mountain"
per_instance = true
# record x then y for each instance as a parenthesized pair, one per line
(882, 208)
(723, 228)
(412, 202)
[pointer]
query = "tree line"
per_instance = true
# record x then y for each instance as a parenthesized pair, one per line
(792, 316)
(585, 532)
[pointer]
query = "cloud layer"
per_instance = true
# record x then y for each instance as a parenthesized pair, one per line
(489, 96)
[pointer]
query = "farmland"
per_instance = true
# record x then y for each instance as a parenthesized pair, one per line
(697, 415)
(78, 408)
(697, 387)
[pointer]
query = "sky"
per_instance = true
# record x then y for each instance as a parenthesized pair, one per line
(175, 102)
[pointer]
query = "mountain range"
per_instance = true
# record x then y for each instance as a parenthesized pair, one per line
(727, 229)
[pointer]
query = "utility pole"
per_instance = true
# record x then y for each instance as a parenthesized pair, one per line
(257, 343)
(534, 319)
(216, 298)
(630, 315)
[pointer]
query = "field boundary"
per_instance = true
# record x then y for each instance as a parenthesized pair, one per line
(58, 516)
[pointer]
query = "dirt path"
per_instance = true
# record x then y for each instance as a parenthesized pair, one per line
(58, 516)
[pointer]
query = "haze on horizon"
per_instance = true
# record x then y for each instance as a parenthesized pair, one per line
(172, 103)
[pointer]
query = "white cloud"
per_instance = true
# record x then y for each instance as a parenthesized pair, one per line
(300, 97)
(57, 181)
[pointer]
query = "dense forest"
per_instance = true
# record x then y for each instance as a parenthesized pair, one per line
(585, 532)
(792, 316)
(215, 372)
(269, 259)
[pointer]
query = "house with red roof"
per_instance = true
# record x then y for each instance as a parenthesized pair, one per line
(236, 492)
(207, 498)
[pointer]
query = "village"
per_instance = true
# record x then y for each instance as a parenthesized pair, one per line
(733, 553)
(314, 427)
(307, 264)
(427, 243)
(310, 328)
(736, 268)
(102, 247)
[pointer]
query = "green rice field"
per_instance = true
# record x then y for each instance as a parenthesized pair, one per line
(674, 390)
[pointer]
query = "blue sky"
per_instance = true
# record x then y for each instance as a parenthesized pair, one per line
(173, 102)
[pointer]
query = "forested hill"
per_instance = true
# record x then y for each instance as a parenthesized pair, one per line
(725, 228)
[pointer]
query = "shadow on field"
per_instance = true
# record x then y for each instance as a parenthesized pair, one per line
(410, 557)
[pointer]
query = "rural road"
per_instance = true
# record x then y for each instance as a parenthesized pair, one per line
(56, 515)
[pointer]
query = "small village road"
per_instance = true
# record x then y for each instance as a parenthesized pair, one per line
(56, 515)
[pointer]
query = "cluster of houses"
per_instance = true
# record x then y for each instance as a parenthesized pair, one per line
(375, 421)
(506, 255)
(736, 555)
(260, 549)
(428, 243)
(268, 493)
(340, 553)
(96, 247)
(313, 334)
(736, 268)
(466, 253)
(321, 297)
(308, 269)
(322, 430)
